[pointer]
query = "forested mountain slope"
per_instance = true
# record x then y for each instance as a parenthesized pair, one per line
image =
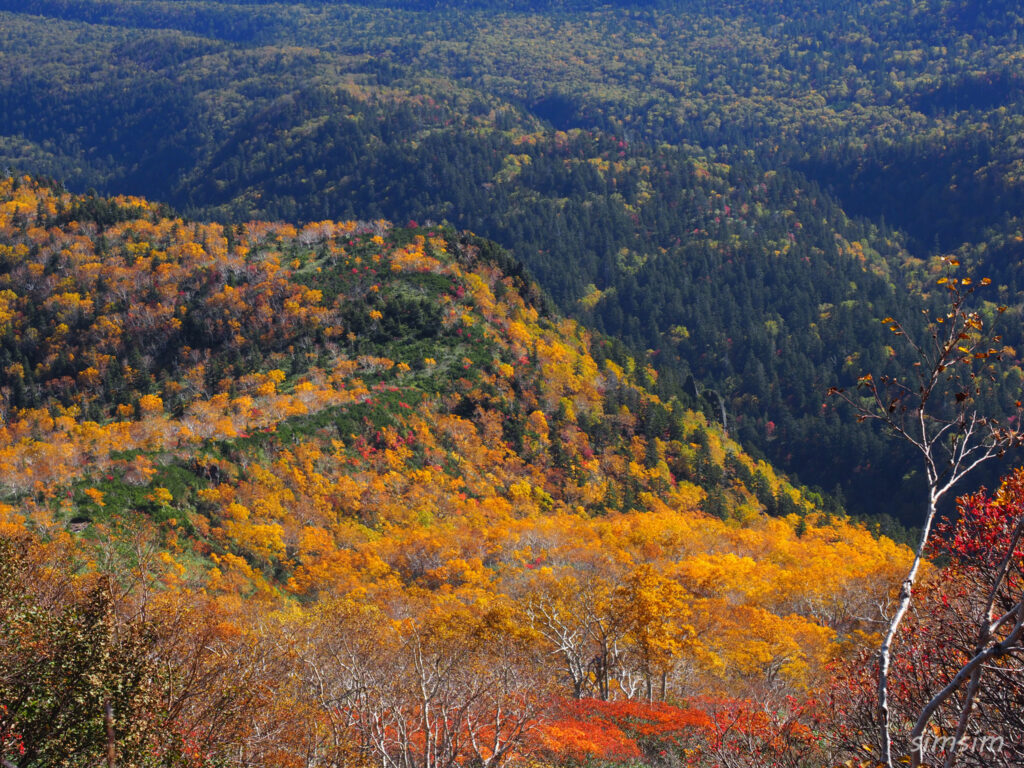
(262, 482)
(743, 188)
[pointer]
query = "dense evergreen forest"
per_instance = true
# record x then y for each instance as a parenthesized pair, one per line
(738, 190)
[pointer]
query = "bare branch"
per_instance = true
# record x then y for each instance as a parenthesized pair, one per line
(935, 415)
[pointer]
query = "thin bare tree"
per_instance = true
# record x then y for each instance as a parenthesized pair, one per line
(934, 407)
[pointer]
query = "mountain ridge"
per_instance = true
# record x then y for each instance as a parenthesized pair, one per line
(281, 441)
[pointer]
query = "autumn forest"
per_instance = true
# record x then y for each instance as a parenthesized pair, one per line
(471, 384)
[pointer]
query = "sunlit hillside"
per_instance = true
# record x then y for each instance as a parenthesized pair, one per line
(348, 494)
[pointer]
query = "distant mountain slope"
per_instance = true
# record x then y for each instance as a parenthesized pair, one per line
(241, 465)
(115, 315)
(678, 174)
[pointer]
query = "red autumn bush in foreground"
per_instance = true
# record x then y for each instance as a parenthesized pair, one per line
(959, 663)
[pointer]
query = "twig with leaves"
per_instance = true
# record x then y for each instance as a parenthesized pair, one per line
(934, 408)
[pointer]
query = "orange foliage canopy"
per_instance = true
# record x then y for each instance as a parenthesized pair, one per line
(322, 501)
(590, 729)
